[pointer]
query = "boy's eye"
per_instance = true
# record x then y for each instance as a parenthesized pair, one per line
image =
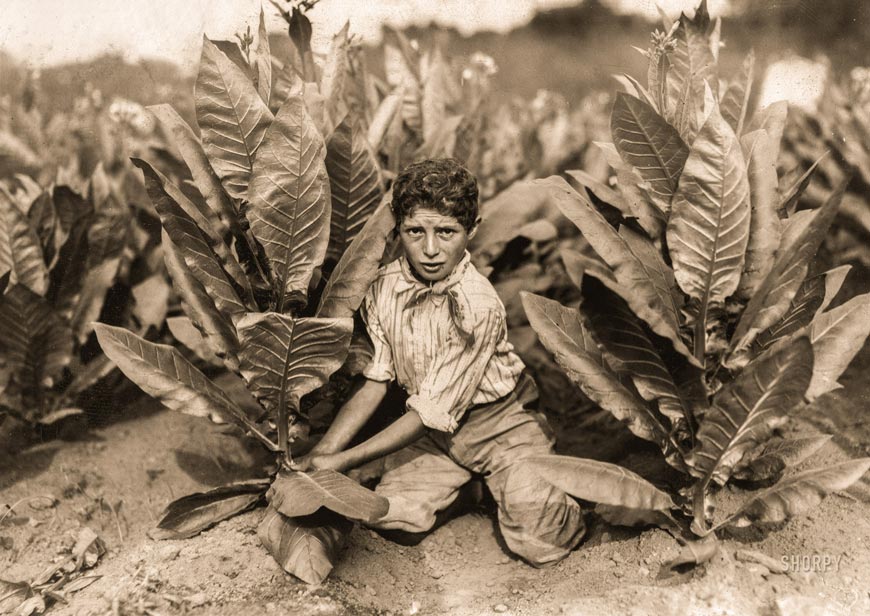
(414, 231)
(447, 232)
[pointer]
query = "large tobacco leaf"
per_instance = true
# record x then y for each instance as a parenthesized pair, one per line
(290, 200)
(708, 230)
(649, 291)
(163, 373)
(801, 312)
(652, 146)
(194, 513)
(215, 326)
(600, 482)
(632, 352)
(358, 266)
(692, 65)
(635, 191)
(334, 79)
(232, 118)
(561, 331)
(307, 547)
(735, 101)
(743, 413)
(772, 119)
(263, 60)
(764, 227)
(298, 494)
(798, 494)
(355, 183)
(773, 296)
(36, 344)
(837, 336)
(283, 358)
(20, 249)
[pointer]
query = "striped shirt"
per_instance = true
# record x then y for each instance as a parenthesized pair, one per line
(445, 343)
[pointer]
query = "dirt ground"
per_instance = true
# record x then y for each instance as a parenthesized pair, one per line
(116, 480)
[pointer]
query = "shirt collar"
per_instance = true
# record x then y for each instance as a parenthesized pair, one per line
(410, 281)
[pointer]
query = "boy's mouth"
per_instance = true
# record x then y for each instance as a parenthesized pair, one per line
(431, 268)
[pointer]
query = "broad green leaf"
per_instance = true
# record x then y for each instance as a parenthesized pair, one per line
(307, 547)
(298, 494)
(20, 251)
(232, 51)
(383, 118)
(400, 72)
(602, 191)
(204, 176)
(578, 265)
(263, 60)
(192, 245)
(742, 413)
(168, 196)
(561, 331)
(335, 76)
(772, 119)
(692, 65)
(185, 332)
(798, 494)
(163, 373)
(358, 266)
(708, 230)
(630, 350)
(652, 146)
(797, 249)
(735, 101)
(190, 515)
(764, 226)
(803, 308)
(107, 238)
(649, 295)
(289, 200)
(36, 344)
(232, 118)
(355, 184)
(283, 359)
(216, 328)
(599, 482)
(777, 456)
(837, 336)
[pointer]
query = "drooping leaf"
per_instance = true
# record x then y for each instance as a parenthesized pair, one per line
(298, 494)
(837, 336)
(631, 352)
(204, 176)
(307, 547)
(36, 344)
(561, 331)
(743, 413)
(599, 482)
(290, 200)
(708, 230)
(232, 118)
(779, 455)
(20, 250)
(283, 358)
(797, 249)
(735, 101)
(798, 494)
(764, 226)
(358, 266)
(192, 244)
(162, 372)
(263, 60)
(649, 294)
(192, 514)
(215, 326)
(355, 184)
(635, 191)
(646, 141)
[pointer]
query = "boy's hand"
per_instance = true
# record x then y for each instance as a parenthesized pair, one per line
(319, 461)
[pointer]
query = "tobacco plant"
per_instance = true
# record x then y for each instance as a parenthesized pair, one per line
(701, 326)
(65, 259)
(271, 255)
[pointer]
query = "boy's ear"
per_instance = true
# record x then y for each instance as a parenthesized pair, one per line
(473, 230)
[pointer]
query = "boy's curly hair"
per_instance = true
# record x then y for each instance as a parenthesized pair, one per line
(441, 184)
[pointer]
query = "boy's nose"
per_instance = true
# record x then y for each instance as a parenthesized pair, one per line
(430, 248)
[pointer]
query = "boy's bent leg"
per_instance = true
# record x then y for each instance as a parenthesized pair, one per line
(420, 481)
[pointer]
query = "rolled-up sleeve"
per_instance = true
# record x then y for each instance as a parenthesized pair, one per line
(445, 393)
(381, 366)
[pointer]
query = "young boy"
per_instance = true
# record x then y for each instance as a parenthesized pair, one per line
(438, 328)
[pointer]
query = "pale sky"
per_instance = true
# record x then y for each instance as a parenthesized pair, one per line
(45, 32)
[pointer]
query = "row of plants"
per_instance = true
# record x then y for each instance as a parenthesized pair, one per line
(703, 324)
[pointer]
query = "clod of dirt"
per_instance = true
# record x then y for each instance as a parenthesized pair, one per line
(500, 608)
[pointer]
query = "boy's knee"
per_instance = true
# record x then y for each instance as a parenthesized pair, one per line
(406, 515)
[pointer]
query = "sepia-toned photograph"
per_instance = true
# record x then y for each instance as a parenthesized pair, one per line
(458, 308)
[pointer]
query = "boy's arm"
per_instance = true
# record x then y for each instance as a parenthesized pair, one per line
(351, 418)
(401, 433)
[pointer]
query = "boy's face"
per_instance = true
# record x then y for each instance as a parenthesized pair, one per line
(433, 243)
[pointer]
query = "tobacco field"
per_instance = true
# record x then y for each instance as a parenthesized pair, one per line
(686, 275)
